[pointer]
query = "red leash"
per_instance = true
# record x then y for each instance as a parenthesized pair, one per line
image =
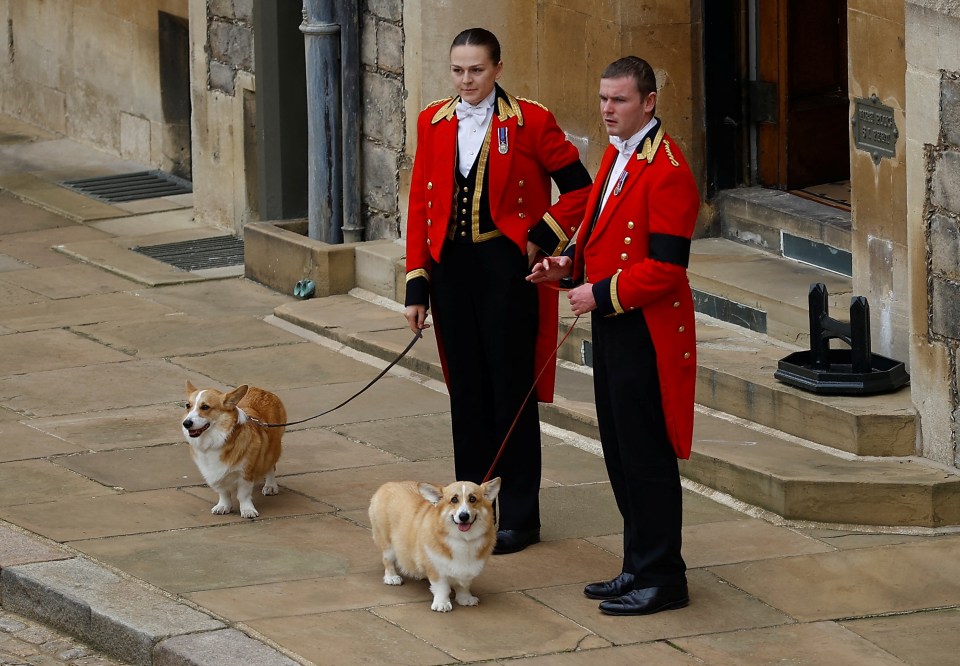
(524, 403)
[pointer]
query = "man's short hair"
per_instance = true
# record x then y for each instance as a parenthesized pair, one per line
(636, 68)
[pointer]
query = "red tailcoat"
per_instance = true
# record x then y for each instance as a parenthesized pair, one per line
(527, 149)
(636, 256)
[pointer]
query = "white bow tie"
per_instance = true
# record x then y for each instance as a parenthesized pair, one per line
(476, 113)
(624, 146)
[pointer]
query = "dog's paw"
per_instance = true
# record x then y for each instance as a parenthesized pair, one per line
(441, 605)
(220, 509)
(271, 489)
(393, 580)
(467, 600)
(249, 513)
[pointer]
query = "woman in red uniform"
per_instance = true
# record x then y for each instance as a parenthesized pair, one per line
(480, 215)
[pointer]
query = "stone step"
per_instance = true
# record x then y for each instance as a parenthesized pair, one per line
(760, 291)
(787, 225)
(761, 463)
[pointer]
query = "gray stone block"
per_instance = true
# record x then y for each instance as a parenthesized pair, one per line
(383, 109)
(390, 48)
(380, 177)
(945, 183)
(945, 246)
(950, 110)
(221, 8)
(222, 77)
(946, 308)
(118, 616)
(226, 647)
(232, 44)
(243, 10)
(392, 10)
(17, 547)
(368, 41)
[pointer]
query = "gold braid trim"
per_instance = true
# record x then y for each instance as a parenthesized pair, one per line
(613, 293)
(445, 112)
(416, 273)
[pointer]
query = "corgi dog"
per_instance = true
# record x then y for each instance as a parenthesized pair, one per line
(445, 535)
(230, 450)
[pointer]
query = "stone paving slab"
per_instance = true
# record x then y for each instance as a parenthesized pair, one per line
(51, 349)
(920, 639)
(213, 299)
(797, 645)
(19, 547)
(8, 264)
(132, 384)
(178, 335)
(852, 583)
(240, 552)
(53, 197)
(21, 441)
(661, 654)
(226, 647)
(110, 612)
(48, 482)
(149, 223)
(78, 311)
(121, 428)
(37, 248)
(69, 281)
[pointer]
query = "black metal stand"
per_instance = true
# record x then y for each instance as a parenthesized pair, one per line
(854, 371)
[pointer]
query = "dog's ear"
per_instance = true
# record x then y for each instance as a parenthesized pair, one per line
(190, 387)
(430, 492)
(491, 489)
(233, 397)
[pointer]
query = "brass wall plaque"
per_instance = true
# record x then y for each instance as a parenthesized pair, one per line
(874, 129)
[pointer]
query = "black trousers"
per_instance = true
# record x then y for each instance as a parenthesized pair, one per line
(638, 455)
(486, 317)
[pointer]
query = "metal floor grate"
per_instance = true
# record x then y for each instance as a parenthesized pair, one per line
(130, 186)
(217, 252)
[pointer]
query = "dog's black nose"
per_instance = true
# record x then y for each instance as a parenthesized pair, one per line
(188, 423)
(463, 517)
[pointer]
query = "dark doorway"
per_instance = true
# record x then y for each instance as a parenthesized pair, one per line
(802, 53)
(777, 109)
(174, 50)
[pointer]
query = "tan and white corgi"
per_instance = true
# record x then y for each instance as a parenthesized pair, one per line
(231, 451)
(445, 535)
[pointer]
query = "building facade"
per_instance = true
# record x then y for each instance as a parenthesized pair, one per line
(776, 94)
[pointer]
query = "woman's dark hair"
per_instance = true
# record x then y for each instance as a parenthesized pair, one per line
(636, 68)
(479, 37)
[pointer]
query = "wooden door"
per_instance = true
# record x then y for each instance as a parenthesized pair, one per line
(802, 54)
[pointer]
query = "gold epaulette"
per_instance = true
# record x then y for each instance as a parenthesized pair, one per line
(448, 107)
(534, 102)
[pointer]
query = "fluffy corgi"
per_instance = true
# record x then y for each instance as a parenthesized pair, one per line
(445, 535)
(231, 451)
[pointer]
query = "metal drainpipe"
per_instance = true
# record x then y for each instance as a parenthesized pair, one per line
(350, 82)
(322, 50)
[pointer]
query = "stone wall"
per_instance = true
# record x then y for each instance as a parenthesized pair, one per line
(384, 123)
(90, 70)
(554, 52)
(223, 94)
(877, 67)
(933, 217)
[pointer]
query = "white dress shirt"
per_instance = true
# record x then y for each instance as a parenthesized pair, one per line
(627, 149)
(472, 124)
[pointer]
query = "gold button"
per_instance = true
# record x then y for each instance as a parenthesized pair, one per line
(522, 215)
(429, 222)
(463, 223)
(464, 200)
(463, 233)
(520, 200)
(573, 229)
(676, 304)
(429, 186)
(520, 183)
(629, 225)
(463, 211)
(681, 329)
(623, 256)
(466, 189)
(428, 241)
(429, 204)
(627, 240)
(686, 354)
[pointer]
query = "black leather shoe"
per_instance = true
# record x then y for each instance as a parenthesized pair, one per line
(610, 589)
(647, 600)
(512, 541)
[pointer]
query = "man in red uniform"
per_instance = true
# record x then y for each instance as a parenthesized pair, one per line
(630, 257)
(480, 215)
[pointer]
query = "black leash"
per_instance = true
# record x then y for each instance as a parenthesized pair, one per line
(417, 336)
